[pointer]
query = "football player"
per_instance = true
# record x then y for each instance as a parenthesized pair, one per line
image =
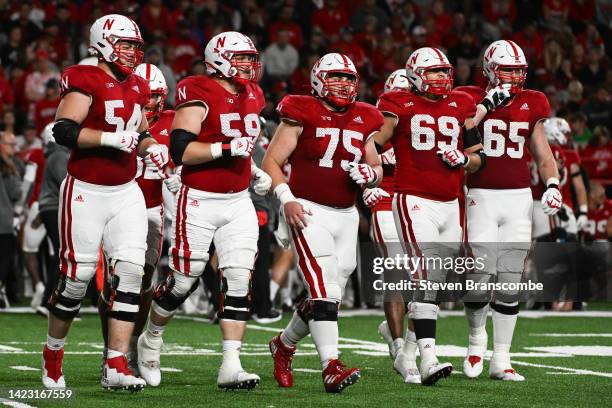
(499, 203)
(434, 138)
(384, 234)
(215, 125)
(327, 139)
(101, 118)
(150, 182)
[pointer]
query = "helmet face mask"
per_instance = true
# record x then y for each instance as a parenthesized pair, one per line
(246, 67)
(335, 79)
(437, 84)
(128, 55)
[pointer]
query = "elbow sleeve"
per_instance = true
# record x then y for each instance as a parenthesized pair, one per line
(66, 132)
(179, 139)
(471, 137)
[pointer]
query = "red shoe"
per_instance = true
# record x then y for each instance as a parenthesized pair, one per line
(336, 376)
(282, 356)
(117, 375)
(52, 376)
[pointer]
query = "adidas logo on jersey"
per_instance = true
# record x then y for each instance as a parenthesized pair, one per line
(472, 203)
(251, 96)
(194, 203)
(408, 104)
(415, 208)
(135, 88)
(358, 119)
(525, 106)
(453, 104)
(164, 132)
(79, 199)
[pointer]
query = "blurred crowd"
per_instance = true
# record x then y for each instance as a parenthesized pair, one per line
(567, 44)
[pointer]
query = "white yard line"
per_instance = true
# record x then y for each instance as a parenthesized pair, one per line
(16, 404)
(24, 368)
(567, 369)
(571, 334)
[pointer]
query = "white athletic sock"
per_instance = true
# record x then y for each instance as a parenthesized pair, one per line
(231, 352)
(295, 331)
(154, 331)
(477, 321)
(410, 345)
(55, 344)
(503, 329)
(113, 353)
(285, 294)
(427, 348)
(273, 290)
(325, 336)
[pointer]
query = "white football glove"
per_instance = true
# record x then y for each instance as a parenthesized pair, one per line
(582, 219)
(361, 173)
(496, 97)
(157, 157)
(241, 147)
(173, 183)
(125, 140)
(261, 181)
(371, 196)
(551, 201)
(388, 157)
(454, 158)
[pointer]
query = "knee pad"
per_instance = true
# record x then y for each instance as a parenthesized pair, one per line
(505, 308)
(65, 302)
(323, 310)
(170, 294)
(123, 297)
(304, 310)
(235, 301)
(475, 305)
(419, 310)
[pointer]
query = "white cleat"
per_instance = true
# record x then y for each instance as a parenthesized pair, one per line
(509, 374)
(148, 360)
(472, 366)
(500, 368)
(236, 379)
(434, 371)
(407, 369)
(117, 376)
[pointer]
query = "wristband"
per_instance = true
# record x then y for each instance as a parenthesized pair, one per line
(216, 150)
(584, 209)
(552, 182)
(284, 194)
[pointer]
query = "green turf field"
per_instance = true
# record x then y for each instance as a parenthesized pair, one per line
(567, 362)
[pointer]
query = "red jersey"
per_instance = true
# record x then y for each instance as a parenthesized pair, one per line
(229, 116)
(571, 157)
(424, 127)
(597, 227)
(387, 184)
(537, 184)
(44, 112)
(149, 183)
(115, 106)
(36, 155)
(506, 132)
(329, 141)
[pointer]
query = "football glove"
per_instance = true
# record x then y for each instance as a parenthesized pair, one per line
(361, 173)
(261, 181)
(125, 140)
(388, 157)
(454, 158)
(496, 97)
(157, 157)
(372, 196)
(173, 183)
(551, 200)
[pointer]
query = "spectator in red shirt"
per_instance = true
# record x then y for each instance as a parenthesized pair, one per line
(581, 13)
(453, 36)
(185, 48)
(500, 16)
(284, 22)
(555, 13)
(597, 155)
(154, 20)
(532, 43)
(369, 10)
(35, 81)
(443, 20)
(45, 109)
(6, 94)
(347, 45)
(331, 18)
(591, 39)
(300, 80)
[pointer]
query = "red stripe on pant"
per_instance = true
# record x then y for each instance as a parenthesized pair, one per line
(413, 239)
(304, 253)
(399, 197)
(63, 239)
(186, 251)
(161, 234)
(378, 237)
(176, 261)
(71, 257)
